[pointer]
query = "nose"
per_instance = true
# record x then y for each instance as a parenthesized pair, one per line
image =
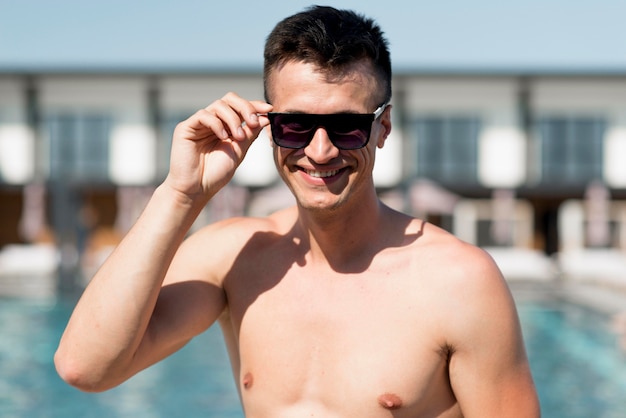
(321, 149)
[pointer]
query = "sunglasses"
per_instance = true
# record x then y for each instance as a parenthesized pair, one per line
(347, 131)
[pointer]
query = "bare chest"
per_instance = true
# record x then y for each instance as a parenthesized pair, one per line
(360, 345)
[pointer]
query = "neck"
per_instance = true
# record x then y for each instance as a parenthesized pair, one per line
(346, 237)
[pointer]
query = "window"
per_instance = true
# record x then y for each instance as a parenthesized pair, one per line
(79, 146)
(447, 148)
(571, 148)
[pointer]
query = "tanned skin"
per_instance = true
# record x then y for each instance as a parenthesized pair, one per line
(336, 307)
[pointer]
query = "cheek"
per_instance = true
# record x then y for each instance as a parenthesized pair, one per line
(282, 155)
(372, 147)
(367, 155)
(277, 155)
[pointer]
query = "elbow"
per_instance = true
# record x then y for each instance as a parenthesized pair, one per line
(79, 375)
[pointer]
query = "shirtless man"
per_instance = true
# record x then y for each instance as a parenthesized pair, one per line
(337, 307)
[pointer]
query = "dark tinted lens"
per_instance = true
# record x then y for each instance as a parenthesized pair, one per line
(292, 130)
(346, 131)
(349, 131)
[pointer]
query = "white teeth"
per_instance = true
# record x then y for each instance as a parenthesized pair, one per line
(321, 174)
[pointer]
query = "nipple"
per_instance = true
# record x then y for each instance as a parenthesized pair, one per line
(248, 379)
(390, 401)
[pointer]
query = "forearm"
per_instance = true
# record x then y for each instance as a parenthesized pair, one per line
(112, 316)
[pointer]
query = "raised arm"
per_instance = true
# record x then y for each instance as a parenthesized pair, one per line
(128, 318)
(489, 370)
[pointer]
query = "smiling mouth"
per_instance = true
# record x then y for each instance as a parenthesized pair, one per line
(321, 174)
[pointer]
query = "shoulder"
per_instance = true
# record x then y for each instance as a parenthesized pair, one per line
(481, 311)
(459, 263)
(467, 278)
(467, 264)
(237, 231)
(213, 249)
(479, 329)
(445, 259)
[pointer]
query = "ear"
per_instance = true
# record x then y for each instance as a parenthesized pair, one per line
(385, 123)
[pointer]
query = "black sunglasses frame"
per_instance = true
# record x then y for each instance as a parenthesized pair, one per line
(356, 121)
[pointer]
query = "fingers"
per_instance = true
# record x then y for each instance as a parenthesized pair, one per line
(229, 118)
(239, 118)
(209, 145)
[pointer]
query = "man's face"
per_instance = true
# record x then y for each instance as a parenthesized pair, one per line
(321, 176)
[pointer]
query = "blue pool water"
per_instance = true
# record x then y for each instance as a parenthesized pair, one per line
(577, 363)
(578, 367)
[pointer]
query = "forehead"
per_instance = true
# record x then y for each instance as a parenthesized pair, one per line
(301, 86)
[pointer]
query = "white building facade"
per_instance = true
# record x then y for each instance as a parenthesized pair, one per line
(91, 140)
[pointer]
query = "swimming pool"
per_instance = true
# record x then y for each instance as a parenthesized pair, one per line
(578, 367)
(576, 359)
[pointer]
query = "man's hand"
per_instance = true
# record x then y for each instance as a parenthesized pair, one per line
(208, 147)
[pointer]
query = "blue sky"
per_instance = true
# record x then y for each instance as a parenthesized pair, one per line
(570, 35)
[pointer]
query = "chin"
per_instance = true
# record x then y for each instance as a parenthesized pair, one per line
(321, 205)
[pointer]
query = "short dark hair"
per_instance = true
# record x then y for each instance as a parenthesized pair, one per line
(332, 40)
